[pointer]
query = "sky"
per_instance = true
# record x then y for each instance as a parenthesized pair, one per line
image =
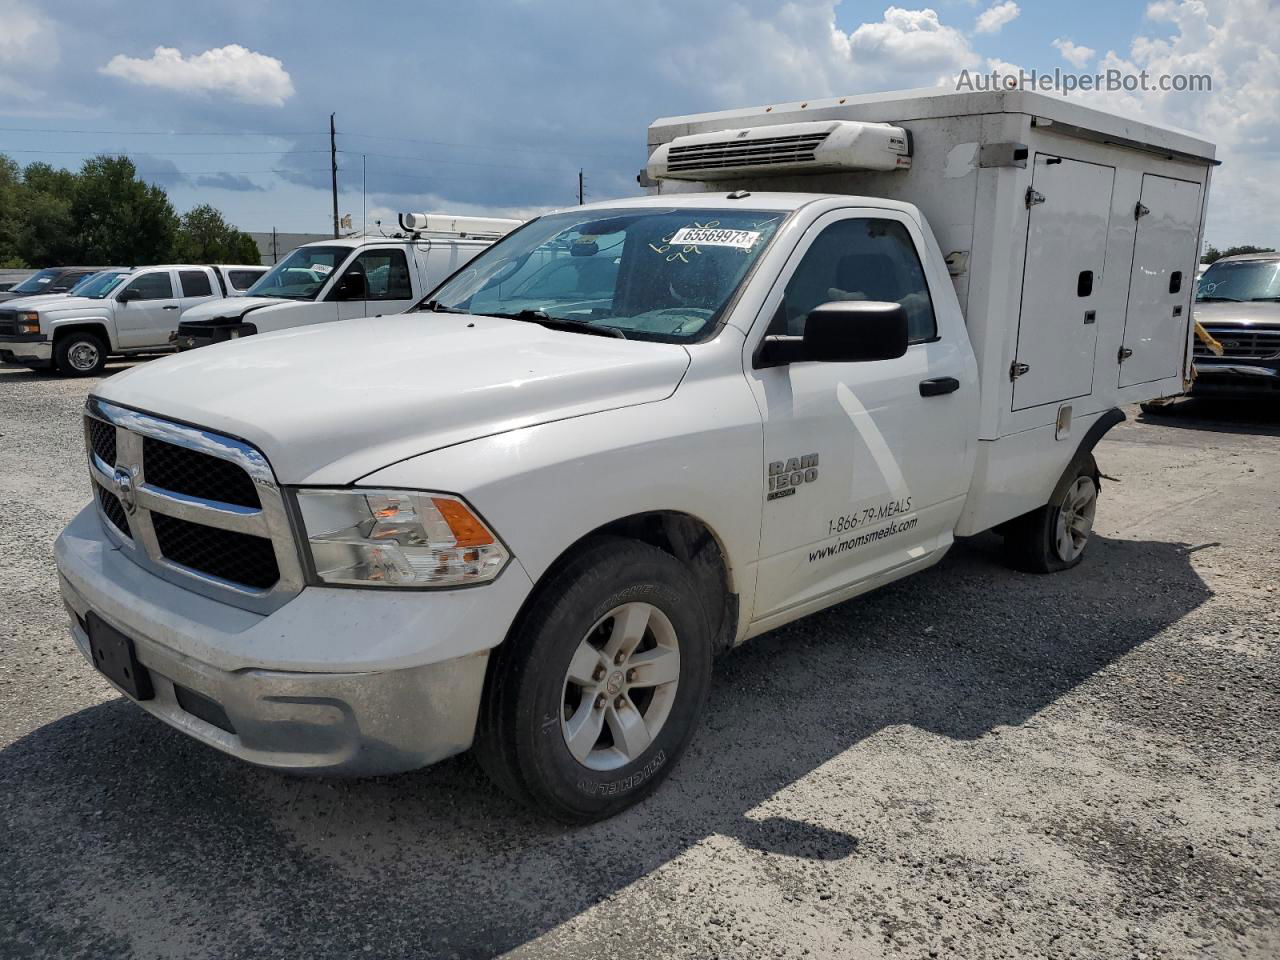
(493, 106)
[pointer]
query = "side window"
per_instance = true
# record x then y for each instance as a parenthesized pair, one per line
(244, 279)
(152, 286)
(386, 274)
(862, 259)
(195, 283)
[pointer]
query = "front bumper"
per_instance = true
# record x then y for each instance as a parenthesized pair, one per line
(339, 681)
(1222, 376)
(33, 349)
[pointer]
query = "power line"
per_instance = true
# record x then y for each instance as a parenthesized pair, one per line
(486, 146)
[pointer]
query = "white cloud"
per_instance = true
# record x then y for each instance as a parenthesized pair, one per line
(231, 71)
(915, 39)
(1075, 54)
(28, 45)
(996, 16)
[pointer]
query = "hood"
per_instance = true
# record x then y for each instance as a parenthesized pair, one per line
(1250, 312)
(333, 402)
(53, 305)
(31, 301)
(225, 307)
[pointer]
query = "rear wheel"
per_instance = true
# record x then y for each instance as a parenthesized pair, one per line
(1054, 537)
(80, 354)
(596, 694)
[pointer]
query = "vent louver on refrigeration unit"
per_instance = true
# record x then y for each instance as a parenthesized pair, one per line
(811, 147)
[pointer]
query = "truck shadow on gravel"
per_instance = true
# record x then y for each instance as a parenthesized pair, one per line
(124, 836)
(1257, 416)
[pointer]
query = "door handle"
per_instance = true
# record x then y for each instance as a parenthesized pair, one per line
(171, 307)
(937, 386)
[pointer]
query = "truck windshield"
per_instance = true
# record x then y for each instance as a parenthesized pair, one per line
(1240, 280)
(98, 286)
(37, 282)
(301, 274)
(659, 273)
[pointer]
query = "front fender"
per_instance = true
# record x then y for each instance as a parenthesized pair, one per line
(699, 452)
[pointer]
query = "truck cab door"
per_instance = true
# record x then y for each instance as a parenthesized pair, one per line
(866, 464)
(198, 286)
(376, 282)
(146, 310)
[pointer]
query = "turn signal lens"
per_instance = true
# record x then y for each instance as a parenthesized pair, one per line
(28, 322)
(398, 538)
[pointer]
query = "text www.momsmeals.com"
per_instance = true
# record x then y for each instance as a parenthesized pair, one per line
(863, 539)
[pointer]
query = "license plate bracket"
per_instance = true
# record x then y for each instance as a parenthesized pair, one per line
(116, 659)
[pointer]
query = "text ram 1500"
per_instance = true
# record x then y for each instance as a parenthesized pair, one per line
(524, 519)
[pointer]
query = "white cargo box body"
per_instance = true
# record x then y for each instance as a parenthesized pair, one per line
(1072, 234)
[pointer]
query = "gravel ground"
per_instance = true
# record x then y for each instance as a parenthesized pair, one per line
(970, 763)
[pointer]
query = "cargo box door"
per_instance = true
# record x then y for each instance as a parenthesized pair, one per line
(1069, 212)
(1160, 286)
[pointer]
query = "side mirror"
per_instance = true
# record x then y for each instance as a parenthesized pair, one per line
(127, 295)
(351, 286)
(842, 331)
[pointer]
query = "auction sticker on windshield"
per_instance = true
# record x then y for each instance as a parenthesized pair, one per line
(715, 237)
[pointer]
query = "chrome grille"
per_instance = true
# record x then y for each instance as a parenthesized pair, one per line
(199, 509)
(8, 323)
(110, 505)
(197, 474)
(1242, 343)
(102, 440)
(745, 153)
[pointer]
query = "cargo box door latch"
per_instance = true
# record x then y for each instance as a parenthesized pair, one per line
(1017, 369)
(1124, 354)
(1034, 197)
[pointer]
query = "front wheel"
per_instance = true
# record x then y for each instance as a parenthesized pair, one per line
(1054, 537)
(597, 692)
(80, 354)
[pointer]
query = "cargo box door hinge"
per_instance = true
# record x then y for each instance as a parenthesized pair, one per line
(1034, 197)
(1017, 369)
(1123, 354)
(1140, 210)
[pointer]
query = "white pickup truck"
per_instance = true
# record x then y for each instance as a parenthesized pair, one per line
(115, 312)
(839, 335)
(346, 278)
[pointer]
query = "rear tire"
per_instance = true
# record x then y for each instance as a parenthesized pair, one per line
(596, 693)
(80, 354)
(1054, 537)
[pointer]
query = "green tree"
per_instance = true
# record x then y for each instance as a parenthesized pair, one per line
(12, 216)
(1212, 253)
(118, 218)
(204, 236)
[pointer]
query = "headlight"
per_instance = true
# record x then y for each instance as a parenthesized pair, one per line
(28, 322)
(398, 538)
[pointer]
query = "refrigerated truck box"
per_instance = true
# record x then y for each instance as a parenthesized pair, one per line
(1072, 236)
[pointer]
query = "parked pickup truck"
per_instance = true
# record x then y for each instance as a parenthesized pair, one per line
(1238, 304)
(48, 280)
(346, 278)
(837, 336)
(117, 312)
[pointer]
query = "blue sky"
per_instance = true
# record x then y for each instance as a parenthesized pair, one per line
(492, 106)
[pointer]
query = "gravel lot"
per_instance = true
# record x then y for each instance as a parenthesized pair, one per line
(970, 763)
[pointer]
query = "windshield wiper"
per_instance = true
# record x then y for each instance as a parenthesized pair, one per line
(1265, 299)
(562, 323)
(1211, 299)
(435, 306)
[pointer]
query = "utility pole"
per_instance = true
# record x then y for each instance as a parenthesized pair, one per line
(364, 194)
(275, 257)
(580, 195)
(333, 161)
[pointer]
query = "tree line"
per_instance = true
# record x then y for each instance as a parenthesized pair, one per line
(106, 215)
(1212, 253)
